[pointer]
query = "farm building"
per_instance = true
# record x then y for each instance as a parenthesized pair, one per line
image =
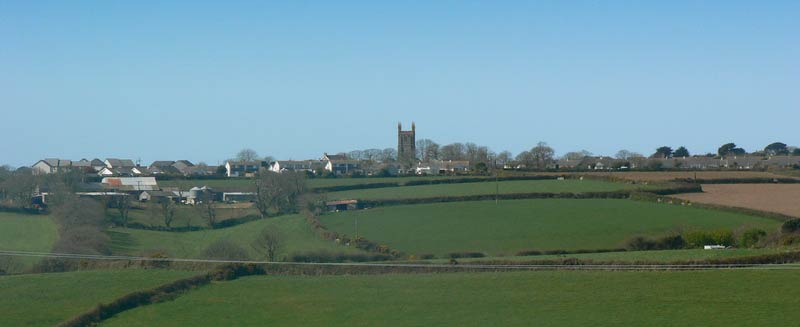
(292, 165)
(128, 184)
(342, 205)
(440, 167)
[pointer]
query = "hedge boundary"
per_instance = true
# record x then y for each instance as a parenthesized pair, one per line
(684, 188)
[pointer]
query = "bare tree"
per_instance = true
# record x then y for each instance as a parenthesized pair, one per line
(278, 193)
(19, 187)
(427, 150)
(577, 155)
(208, 207)
(542, 154)
(269, 242)
(247, 155)
(166, 207)
(455, 151)
(123, 204)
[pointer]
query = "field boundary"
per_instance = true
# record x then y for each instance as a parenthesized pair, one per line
(684, 188)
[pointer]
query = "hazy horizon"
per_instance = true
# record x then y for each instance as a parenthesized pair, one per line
(200, 81)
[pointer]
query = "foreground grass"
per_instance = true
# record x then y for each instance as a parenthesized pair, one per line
(511, 226)
(21, 232)
(296, 233)
(546, 298)
(488, 187)
(47, 299)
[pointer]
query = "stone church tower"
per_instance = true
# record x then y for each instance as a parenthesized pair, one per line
(406, 144)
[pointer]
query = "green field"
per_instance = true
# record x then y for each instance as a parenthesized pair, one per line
(47, 299)
(21, 232)
(510, 226)
(546, 298)
(297, 233)
(489, 187)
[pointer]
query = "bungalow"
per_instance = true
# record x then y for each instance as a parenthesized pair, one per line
(242, 168)
(155, 195)
(292, 165)
(51, 165)
(344, 167)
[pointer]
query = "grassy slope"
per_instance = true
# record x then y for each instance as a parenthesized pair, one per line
(527, 224)
(560, 298)
(531, 186)
(297, 233)
(22, 232)
(47, 299)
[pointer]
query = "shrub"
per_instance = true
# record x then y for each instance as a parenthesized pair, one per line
(524, 253)
(751, 237)
(791, 226)
(224, 249)
(466, 254)
(325, 256)
(427, 256)
(669, 242)
(700, 238)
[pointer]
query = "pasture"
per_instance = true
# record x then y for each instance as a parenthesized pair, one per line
(296, 233)
(662, 176)
(544, 298)
(514, 225)
(22, 232)
(488, 187)
(780, 198)
(247, 184)
(47, 299)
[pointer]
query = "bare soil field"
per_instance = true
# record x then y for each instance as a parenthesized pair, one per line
(780, 198)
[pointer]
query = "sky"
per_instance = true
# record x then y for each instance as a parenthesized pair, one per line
(201, 80)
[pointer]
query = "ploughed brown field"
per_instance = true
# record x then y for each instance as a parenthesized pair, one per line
(780, 198)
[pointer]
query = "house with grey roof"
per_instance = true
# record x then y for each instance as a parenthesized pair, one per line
(119, 163)
(51, 165)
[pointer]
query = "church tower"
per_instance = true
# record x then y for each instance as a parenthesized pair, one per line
(406, 144)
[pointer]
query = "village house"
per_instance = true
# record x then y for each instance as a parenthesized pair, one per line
(442, 167)
(51, 166)
(293, 165)
(783, 161)
(119, 163)
(242, 168)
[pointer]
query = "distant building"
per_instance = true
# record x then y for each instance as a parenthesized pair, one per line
(130, 184)
(51, 166)
(119, 163)
(406, 143)
(242, 168)
(292, 165)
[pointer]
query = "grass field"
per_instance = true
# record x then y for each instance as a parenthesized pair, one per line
(47, 299)
(664, 256)
(297, 234)
(23, 232)
(489, 187)
(780, 198)
(547, 298)
(527, 224)
(658, 176)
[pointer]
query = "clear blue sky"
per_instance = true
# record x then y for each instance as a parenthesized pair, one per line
(200, 81)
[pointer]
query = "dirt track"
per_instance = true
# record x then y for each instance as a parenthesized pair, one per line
(780, 198)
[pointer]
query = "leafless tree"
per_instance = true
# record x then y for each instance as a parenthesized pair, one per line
(269, 242)
(542, 155)
(278, 193)
(247, 155)
(166, 208)
(427, 150)
(208, 207)
(18, 188)
(577, 155)
(123, 205)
